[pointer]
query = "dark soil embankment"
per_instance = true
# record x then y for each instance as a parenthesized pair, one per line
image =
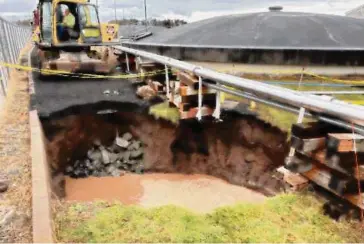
(242, 150)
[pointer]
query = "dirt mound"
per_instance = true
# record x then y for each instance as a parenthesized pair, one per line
(241, 150)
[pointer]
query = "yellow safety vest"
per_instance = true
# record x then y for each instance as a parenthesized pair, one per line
(69, 21)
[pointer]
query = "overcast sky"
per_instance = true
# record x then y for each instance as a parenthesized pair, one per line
(190, 10)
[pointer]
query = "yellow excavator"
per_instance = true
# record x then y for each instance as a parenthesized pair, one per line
(70, 48)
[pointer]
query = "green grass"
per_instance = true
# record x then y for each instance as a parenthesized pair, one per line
(276, 117)
(286, 218)
(284, 120)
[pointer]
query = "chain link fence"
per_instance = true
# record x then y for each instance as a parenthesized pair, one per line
(12, 39)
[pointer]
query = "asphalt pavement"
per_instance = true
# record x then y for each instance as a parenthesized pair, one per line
(60, 97)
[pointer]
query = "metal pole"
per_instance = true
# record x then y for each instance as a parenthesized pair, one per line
(217, 112)
(167, 80)
(145, 15)
(127, 62)
(199, 113)
(335, 92)
(115, 11)
(346, 112)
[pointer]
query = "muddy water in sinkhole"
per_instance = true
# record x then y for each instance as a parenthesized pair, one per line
(187, 164)
(200, 193)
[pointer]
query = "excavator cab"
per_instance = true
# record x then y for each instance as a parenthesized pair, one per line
(86, 31)
(68, 30)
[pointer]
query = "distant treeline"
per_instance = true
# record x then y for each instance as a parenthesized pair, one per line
(168, 23)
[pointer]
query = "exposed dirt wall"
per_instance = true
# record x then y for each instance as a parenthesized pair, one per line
(243, 151)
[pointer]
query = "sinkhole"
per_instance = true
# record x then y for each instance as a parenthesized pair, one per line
(109, 154)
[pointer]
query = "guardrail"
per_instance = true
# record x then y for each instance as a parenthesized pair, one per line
(335, 112)
(12, 39)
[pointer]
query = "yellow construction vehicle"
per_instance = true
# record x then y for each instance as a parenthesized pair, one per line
(67, 31)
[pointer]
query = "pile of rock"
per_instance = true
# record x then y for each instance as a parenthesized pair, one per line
(124, 155)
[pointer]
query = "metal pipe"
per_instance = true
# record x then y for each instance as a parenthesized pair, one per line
(237, 47)
(335, 92)
(339, 123)
(307, 84)
(347, 112)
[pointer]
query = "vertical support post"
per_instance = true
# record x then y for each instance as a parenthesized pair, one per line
(301, 79)
(301, 116)
(173, 89)
(145, 15)
(199, 113)
(217, 112)
(167, 80)
(127, 62)
(116, 20)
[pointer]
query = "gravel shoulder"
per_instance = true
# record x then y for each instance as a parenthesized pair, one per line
(15, 166)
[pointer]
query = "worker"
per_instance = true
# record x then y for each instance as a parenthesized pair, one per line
(35, 18)
(69, 20)
(66, 26)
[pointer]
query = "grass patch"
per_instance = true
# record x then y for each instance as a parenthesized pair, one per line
(276, 117)
(286, 218)
(164, 111)
(284, 120)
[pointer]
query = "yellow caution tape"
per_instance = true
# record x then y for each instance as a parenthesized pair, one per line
(79, 75)
(130, 76)
(348, 82)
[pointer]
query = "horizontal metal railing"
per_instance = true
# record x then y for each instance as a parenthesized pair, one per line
(335, 112)
(13, 37)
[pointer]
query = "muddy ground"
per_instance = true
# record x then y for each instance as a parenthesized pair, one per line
(241, 150)
(199, 193)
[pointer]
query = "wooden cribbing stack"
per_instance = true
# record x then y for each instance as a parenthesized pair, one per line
(183, 89)
(185, 96)
(326, 156)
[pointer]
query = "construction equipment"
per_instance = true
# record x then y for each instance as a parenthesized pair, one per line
(67, 32)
